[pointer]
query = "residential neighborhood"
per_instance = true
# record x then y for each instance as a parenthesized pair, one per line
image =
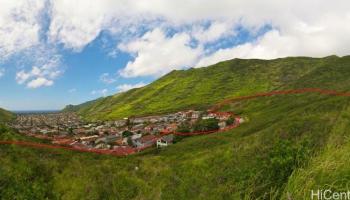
(125, 134)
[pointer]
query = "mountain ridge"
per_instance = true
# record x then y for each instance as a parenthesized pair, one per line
(198, 88)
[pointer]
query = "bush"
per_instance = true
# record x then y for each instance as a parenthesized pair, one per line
(230, 121)
(206, 125)
(183, 128)
(127, 133)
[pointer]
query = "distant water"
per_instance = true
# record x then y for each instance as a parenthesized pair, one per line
(28, 112)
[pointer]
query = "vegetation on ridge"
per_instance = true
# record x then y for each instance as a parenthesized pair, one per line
(199, 88)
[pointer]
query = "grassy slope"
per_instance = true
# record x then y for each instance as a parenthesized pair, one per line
(264, 158)
(290, 144)
(5, 115)
(199, 88)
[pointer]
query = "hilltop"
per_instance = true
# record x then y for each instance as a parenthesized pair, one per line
(202, 87)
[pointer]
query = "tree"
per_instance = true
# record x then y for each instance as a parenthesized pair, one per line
(127, 133)
(130, 143)
(70, 131)
(206, 125)
(183, 128)
(230, 121)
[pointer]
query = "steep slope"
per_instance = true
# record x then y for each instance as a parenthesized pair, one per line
(5, 115)
(285, 149)
(202, 87)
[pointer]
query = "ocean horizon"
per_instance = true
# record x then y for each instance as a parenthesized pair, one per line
(34, 111)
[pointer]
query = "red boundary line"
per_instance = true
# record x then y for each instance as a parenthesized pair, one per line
(127, 151)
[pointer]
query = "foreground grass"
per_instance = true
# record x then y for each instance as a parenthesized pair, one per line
(289, 145)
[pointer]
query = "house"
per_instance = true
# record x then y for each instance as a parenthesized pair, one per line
(102, 146)
(138, 121)
(239, 120)
(122, 141)
(108, 139)
(209, 116)
(136, 136)
(146, 141)
(120, 123)
(223, 116)
(148, 128)
(222, 124)
(165, 141)
(169, 128)
(153, 120)
(195, 114)
(89, 138)
(138, 127)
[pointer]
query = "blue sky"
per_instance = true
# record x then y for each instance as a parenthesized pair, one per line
(59, 52)
(82, 79)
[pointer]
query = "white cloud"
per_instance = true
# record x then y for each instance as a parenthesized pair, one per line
(43, 73)
(19, 25)
(214, 32)
(126, 87)
(21, 28)
(39, 82)
(107, 78)
(102, 92)
(304, 40)
(157, 54)
(311, 28)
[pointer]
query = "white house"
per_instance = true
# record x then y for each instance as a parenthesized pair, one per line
(165, 141)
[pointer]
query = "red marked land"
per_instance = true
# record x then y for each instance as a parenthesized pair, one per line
(123, 151)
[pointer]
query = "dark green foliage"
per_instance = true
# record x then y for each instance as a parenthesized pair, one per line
(206, 125)
(127, 133)
(184, 128)
(230, 121)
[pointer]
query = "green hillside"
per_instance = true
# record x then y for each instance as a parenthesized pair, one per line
(5, 115)
(202, 87)
(290, 144)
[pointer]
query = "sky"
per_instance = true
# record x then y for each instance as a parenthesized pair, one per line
(59, 52)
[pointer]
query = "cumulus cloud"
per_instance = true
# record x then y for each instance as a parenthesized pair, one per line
(157, 54)
(21, 29)
(141, 28)
(39, 82)
(42, 74)
(126, 87)
(19, 25)
(214, 32)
